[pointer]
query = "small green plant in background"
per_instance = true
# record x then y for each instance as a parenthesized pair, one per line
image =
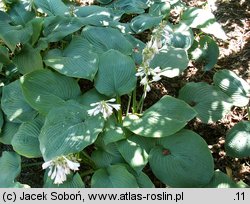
(48, 47)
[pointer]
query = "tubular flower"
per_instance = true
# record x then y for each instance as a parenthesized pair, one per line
(60, 167)
(146, 74)
(104, 107)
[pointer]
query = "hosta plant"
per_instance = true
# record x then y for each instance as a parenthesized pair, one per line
(50, 49)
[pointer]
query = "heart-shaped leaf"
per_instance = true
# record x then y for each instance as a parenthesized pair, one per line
(103, 159)
(13, 35)
(54, 27)
(44, 89)
(172, 61)
(206, 51)
(182, 160)
(14, 105)
(210, 103)
(234, 86)
(203, 19)
(115, 176)
(144, 21)
(77, 60)
(73, 181)
(25, 142)
(133, 153)
(68, 129)
(10, 168)
(96, 15)
(237, 142)
(8, 131)
(164, 118)
(142, 179)
(51, 7)
(20, 13)
(160, 8)
(28, 60)
(178, 36)
(221, 180)
(131, 6)
(104, 39)
(116, 78)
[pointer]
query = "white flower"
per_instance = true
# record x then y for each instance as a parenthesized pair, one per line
(104, 107)
(59, 168)
(148, 73)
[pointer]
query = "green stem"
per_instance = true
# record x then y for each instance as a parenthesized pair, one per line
(134, 108)
(32, 164)
(129, 103)
(118, 99)
(141, 103)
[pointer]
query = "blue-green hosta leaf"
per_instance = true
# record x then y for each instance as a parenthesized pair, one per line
(8, 131)
(51, 7)
(37, 26)
(14, 105)
(142, 179)
(221, 180)
(73, 181)
(28, 60)
(161, 8)
(164, 118)
(103, 159)
(182, 160)
(96, 15)
(91, 96)
(179, 36)
(68, 129)
(20, 13)
(210, 103)
(138, 47)
(44, 89)
(145, 143)
(13, 35)
(144, 21)
(58, 27)
(25, 142)
(77, 60)
(113, 132)
(172, 61)
(234, 86)
(206, 51)
(134, 154)
(114, 176)
(104, 39)
(116, 78)
(203, 19)
(237, 142)
(131, 6)
(4, 55)
(10, 168)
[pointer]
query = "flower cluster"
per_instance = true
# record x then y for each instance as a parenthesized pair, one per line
(60, 167)
(154, 46)
(155, 74)
(104, 107)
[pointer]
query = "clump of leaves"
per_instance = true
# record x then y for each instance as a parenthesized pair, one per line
(48, 47)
